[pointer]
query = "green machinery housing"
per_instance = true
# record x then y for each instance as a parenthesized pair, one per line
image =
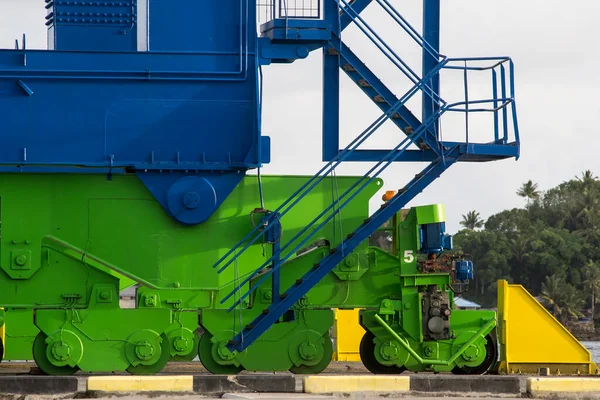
(70, 270)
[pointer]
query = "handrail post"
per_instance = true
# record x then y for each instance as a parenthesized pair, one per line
(495, 96)
(504, 110)
(466, 87)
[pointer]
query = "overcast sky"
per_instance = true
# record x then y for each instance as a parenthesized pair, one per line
(555, 48)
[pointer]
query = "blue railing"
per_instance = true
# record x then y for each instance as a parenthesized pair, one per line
(283, 209)
(503, 95)
(288, 9)
(505, 88)
(502, 98)
(496, 105)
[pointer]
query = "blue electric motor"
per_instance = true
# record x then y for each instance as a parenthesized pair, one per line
(464, 270)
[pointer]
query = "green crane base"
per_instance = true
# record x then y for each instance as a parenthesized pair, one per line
(70, 243)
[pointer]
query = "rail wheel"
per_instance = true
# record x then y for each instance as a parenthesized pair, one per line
(193, 354)
(322, 364)
(40, 348)
(209, 352)
(367, 356)
(491, 353)
(161, 360)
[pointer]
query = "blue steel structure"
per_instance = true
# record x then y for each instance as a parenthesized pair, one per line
(173, 94)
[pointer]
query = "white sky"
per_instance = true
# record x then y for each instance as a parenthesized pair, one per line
(555, 48)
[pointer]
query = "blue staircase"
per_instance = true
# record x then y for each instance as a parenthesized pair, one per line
(422, 142)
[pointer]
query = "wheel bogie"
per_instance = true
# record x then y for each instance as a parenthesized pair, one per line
(470, 350)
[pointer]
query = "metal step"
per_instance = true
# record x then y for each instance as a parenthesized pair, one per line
(380, 94)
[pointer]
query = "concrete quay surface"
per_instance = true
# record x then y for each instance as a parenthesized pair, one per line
(341, 380)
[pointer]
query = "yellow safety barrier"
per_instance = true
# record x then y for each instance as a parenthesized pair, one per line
(347, 334)
(356, 383)
(531, 338)
(141, 383)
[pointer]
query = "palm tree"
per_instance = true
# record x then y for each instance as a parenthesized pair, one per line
(592, 283)
(572, 303)
(563, 299)
(471, 221)
(587, 178)
(589, 207)
(529, 190)
(519, 247)
(552, 293)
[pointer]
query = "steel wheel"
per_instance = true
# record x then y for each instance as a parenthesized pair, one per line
(367, 356)
(193, 354)
(205, 352)
(41, 359)
(321, 365)
(155, 368)
(491, 353)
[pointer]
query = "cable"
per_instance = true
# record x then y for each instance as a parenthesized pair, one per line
(457, 292)
(260, 190)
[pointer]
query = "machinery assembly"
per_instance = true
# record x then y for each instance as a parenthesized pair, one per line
(124, 160)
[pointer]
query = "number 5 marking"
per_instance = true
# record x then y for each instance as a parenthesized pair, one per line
(408, 256)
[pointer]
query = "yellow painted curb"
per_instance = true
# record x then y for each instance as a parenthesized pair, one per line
(356, 383)
(141, 383)
(565, 385)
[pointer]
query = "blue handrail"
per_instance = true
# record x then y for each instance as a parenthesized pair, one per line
(502, 97)
(387, 159)
(408, 28)
(352, 193)
(328, 168)
(501, 103)
(498, 104)
(385, 48)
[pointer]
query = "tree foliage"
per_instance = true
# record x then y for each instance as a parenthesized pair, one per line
(552, 247)
(472, 221)
(529, 190)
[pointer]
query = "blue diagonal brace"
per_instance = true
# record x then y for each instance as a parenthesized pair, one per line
(303, 285)
(358, 6)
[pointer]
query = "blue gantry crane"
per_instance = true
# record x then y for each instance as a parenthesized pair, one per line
(124, 156)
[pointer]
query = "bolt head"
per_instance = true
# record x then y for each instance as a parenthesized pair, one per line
(470, 353)
(180, 343)
(21, 260)
(61, 350)
(144, 350)
(191, 200)
(389, 350)
(308, 351)
(351, 261)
